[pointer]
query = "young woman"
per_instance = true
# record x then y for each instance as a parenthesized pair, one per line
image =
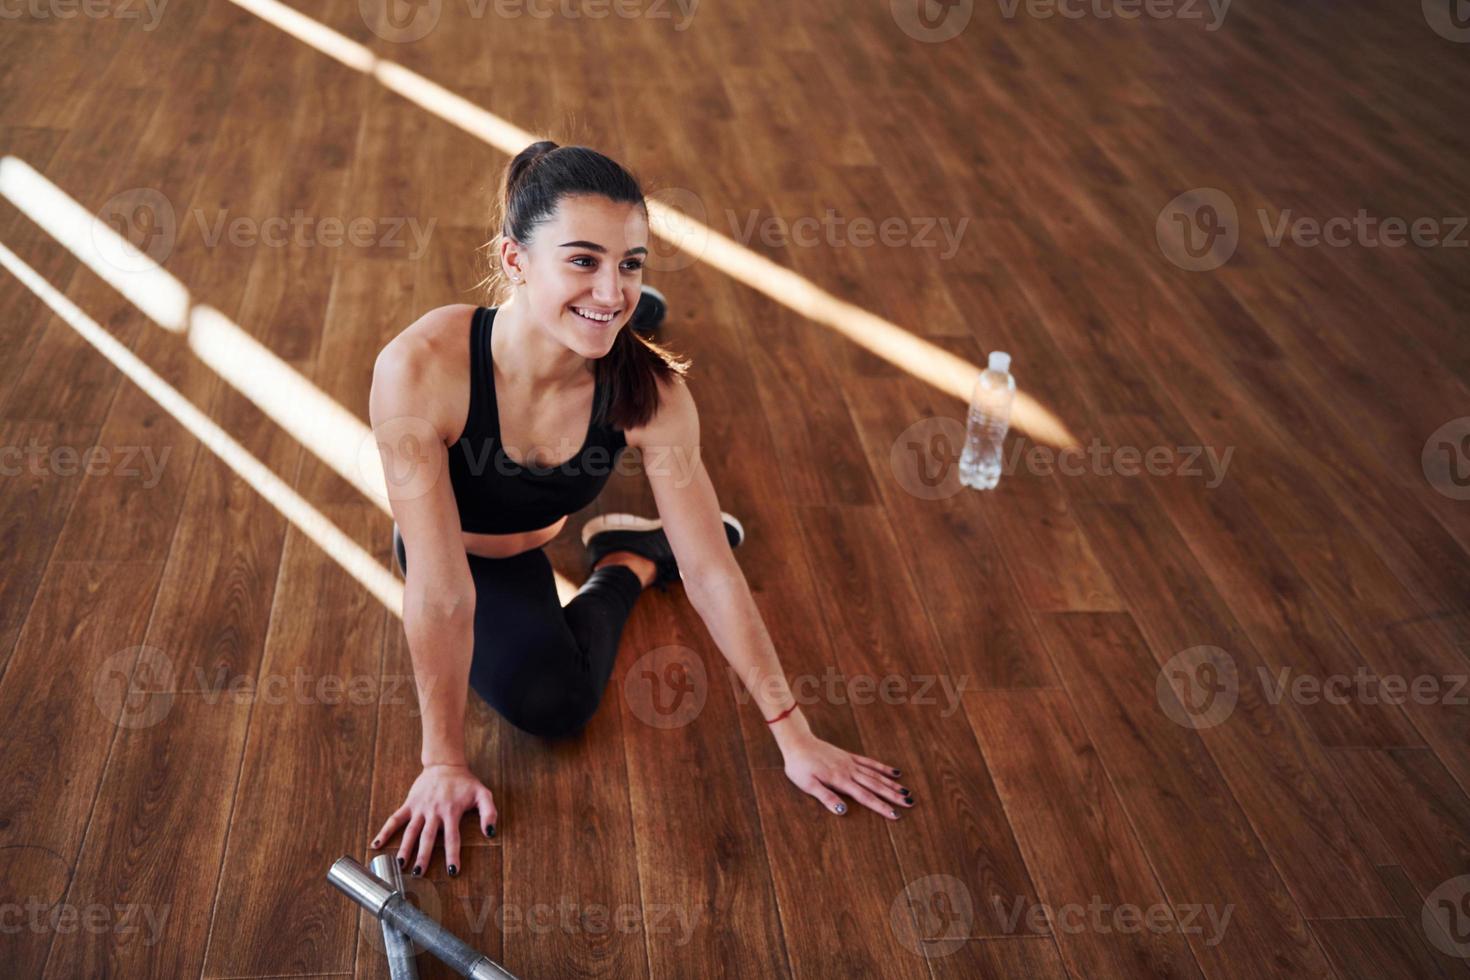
(495, 424)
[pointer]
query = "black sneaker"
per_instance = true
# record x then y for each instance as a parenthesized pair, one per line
(650, 312)
(643, 536)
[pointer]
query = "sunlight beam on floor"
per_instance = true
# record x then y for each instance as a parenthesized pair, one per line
(347, 553)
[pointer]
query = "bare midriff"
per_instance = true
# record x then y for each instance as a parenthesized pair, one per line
(506, 545)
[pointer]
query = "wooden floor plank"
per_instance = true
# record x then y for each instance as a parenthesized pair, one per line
(68, 685)
(1200, 843)
(1109, 916)
(881, 634)
(326, 633)
(156, 885)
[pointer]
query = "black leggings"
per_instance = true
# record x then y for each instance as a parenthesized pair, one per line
(542, 666)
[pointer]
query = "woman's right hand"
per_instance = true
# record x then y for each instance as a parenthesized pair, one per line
(436, 801)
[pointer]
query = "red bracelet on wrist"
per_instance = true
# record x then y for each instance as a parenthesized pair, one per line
(781, 715)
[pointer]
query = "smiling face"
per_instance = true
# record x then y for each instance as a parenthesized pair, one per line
(582, 273)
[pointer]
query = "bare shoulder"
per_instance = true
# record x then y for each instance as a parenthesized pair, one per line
(435, 332)
(414, 371)
(676, 420)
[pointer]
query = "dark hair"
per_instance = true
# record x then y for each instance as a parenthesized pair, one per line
(535, 183)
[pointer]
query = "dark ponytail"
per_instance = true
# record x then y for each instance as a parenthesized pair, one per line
(534, 185)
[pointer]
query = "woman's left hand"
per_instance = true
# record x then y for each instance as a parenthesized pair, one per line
(820, 768)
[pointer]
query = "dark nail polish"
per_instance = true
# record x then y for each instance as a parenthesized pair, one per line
(491, 831)
(417, 870)
(453, 871)
(904, 790)
(375, 845)
(897, 772)
(400, 864)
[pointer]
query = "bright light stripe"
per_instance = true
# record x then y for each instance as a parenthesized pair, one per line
(312, 32)
(314, 418)
(379, 581)
(132, 273)
(453, 109)
(903, 349)
(948, 372)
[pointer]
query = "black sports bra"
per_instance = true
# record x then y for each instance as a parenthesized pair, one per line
(497, 495)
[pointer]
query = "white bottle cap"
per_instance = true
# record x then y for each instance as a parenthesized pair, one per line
(1000, 361)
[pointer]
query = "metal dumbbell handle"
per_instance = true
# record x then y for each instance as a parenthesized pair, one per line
(358, 884)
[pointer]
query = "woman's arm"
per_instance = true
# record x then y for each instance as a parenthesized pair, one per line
(438, 592)
(690, 514)
(438, 606)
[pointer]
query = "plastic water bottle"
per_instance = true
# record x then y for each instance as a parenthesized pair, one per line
(990, 417)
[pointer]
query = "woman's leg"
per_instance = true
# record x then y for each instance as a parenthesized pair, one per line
(543, 667)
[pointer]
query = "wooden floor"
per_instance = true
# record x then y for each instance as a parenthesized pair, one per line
(1085, 808)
